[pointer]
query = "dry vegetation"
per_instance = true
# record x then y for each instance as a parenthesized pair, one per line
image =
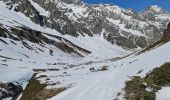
(37, 91)
(145, 88)
(48, 93)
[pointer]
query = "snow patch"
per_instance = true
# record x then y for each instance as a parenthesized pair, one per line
(40, 9)
(163, 94)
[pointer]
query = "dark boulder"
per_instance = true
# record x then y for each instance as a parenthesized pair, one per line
(10, 90)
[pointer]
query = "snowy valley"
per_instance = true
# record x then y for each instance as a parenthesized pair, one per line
(70, 50)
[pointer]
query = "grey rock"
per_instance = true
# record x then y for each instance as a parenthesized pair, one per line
(94, 19)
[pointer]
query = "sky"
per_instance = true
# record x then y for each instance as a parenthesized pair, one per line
(136, 5)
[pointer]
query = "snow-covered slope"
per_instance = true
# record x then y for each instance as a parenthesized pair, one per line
(75, 47)
(27, 59)
(163, 94)
(106, 85)
(25, 46)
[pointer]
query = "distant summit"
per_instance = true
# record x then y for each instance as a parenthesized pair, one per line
(155, 9)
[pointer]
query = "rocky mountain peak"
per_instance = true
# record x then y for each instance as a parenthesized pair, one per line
(130, 10)
(154, 9)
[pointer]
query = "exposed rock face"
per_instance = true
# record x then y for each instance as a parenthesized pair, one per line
(119, 26)
(166, 35)
(24, 33)
(10, 90)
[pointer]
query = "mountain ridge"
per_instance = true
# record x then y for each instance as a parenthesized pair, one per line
(117, 23)
(84, 50)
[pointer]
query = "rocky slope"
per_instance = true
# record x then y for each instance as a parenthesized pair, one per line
(119, 26)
